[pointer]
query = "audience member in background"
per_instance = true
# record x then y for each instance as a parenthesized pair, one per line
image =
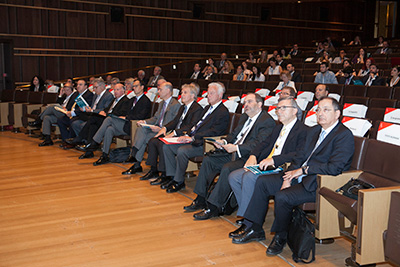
(380, 41)
(108, 81)
(196, 72)
(90, 83)
(361, 57)
(254, 126)
(141, 76)
(342, 57)
(394, 80)
(348, 76)
(365, 68)
(346, 63)
(214, 122)
(320, 49)
(274, 54)
(188, 115)
(221, 62)
(286, 82)
(208, 74)
(37, 84)
(356, 41)
(274, 68)
(325, 75)
(257, 76)
(321, 91)
(246, 70)
(294, 52)
(50, 87)
(226, 69)
(156, 76)
(325, 57)
(210, 64)
(251, 58)
(167, 110)
(263, 57)
(113, 83)
(329, 45)
(280, 61)
(239, 76)
(65, 101)
(64, 122)
(373, 78)
(385, 50)
(284, 54)
(296, 76)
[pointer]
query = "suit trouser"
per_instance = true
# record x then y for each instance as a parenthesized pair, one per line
(77, 126)
(142, 137)
(64, 123)
(177, 159)
(154, 152)
(285, 201)
(90, 128)
(109, 128)
(49, 116)
(210, 167)
(242, 183)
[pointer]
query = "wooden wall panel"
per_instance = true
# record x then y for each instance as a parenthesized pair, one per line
(30, 67)
(53, 68)
(65, 67)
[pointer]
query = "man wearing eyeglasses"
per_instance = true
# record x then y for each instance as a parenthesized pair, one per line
(279, 148)
(328, 149)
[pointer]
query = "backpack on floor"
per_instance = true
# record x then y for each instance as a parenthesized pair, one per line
(120, 154)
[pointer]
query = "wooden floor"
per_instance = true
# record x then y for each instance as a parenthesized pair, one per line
(57, 210)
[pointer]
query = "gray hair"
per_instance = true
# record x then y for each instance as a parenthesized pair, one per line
(100, 82)
(197, 86)
(292, 101)
(115, 79)
(169, 86)
(192, 90)
(220, 87)
(129, 81)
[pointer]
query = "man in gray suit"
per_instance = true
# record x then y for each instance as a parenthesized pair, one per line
(156, 76)
(166, 112)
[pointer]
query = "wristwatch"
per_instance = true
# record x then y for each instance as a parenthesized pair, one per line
(304, 169)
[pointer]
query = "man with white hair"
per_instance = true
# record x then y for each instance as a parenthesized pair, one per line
(141, 76)
(214, 122)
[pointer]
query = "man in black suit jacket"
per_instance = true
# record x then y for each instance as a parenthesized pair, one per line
(279, 148)
(188, 115)
(296, 76)
(207, 75)
(119, 107)
(196, 72)
(328, 149)
(214, 122)
(254, 126)
(64, 122)
(348, 77)
(373, 78)
(156, 76)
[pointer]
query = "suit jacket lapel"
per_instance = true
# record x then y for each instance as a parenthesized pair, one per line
(326, 140)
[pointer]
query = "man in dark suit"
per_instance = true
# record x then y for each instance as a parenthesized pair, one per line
(294, 52)
(214, 122)
(279, 148)
(328, 149)
(196, 72)
(348, 77)
(50, 115)
(321, 91)
(207, 75)
(296, 76)
(373, 78)
(119, 107)
(254, 126)
(188, 115)
(141, 76)
(166, 112)
(156, 76)
(140, 108)
(64, 122)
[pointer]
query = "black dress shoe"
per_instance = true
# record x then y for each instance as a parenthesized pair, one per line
(276, 246)
(150, 175)
(238, 232)
(86, 155)
(240, 222)
(160, 180)
(248, 236)
(166, 184)
(132, 170)
(74, 141)
(130, 159)
(102, 160)
(175, 187)
(66, 146)
(195, 206)
(205, 215)
(46, 143)
(93, 146)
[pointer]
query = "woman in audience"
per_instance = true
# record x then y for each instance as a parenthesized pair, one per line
(346, 63)
(211, 64)
(239, 76)
(37, 84)
(284, 54)
(263, 57)
(246, 70)
(251, 58)
(365, 68)
(274, 68)
(226, 69)
(360, 57)
(325, 57)
(285, 77)
(380, 41)
(356, 41)
(257, 75)
(394, 81)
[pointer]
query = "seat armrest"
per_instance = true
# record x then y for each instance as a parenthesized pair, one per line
(133, 130)
(208, 146)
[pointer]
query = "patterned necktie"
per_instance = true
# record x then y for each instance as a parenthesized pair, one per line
(178, 126)
(134, 102)
(243, 133)
(193, 132)
(162, 113)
